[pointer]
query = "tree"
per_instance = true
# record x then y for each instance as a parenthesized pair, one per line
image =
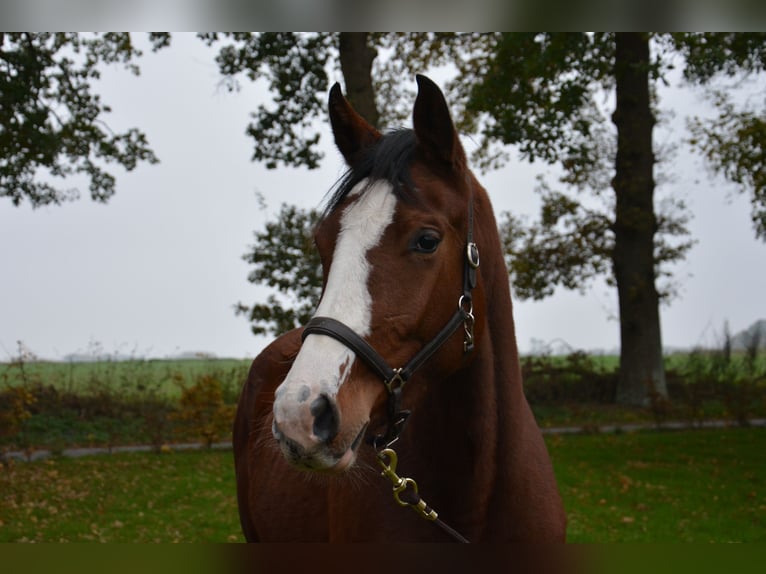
(285, 259)
(734, 143)
(296, 67)
(539, 92)
(285, 132)
(52, 123)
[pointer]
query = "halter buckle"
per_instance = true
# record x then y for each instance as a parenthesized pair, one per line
(395, 382)
(472, 255)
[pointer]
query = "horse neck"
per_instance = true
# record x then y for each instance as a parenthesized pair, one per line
(473, 419)
(498, 351)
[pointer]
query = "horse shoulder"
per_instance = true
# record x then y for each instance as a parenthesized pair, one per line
(267, 370)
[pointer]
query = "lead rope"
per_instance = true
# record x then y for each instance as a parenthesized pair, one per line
(405, 491)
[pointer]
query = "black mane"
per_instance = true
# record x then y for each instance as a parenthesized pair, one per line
(389, 159)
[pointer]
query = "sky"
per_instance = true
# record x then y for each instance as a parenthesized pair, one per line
(157, 270)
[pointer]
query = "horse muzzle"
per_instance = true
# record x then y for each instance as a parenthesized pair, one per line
(307, 427)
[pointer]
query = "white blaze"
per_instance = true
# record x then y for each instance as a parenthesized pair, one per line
(324, 363)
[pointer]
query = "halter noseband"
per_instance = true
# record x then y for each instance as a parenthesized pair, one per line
(395, 379)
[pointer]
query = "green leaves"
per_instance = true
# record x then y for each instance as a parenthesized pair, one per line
(294, 66)
(711, 53)
(568, 247)
(285, 258)
(573, 240)
(536, 91)
(52, 123)
(734, 144)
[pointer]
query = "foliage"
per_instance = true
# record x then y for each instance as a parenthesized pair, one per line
(703, 385)
(51, 121)
(71, 405)
(734, 142)
(543, 93)
(297, 68)
(712, 53)
(574, 378)
(738, 382)
(413, 53)
(202, 411)
(112, 403)
(14, 410)
(285, 258)
(570, 245)
(294, 65)
(537, 91)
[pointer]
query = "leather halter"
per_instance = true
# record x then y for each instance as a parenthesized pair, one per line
(395, 378)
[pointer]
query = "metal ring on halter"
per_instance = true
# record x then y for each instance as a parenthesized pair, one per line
(465, 304)
(472, 255)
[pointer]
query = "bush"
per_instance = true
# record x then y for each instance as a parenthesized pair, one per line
(738, 381)
(574, 378)
(202, 411)
(15, 403)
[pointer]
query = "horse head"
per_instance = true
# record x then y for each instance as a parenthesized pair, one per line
(400, 285)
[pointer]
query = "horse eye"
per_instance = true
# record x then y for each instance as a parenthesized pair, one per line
(427, 242)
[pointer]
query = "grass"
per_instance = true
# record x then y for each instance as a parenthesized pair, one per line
(660, 487)
(175, 497)
(701, 486)
(690, 486)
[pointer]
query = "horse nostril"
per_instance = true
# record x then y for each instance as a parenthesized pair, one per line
(325, 413)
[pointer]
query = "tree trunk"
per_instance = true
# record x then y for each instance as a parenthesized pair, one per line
(642, 371)
(356, 59)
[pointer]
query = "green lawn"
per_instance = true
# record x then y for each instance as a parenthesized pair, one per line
(651, 487)
(690, 486)
(175, 497)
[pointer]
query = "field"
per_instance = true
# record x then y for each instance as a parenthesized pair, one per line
(161, 376)
(649, 486)
(689, 486)
(110, 403)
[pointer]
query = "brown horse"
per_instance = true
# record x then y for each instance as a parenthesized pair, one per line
(322, 409)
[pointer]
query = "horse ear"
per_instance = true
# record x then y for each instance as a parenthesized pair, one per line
(352, 133)
(434, 128)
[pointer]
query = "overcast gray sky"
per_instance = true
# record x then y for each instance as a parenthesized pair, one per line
(158, 270)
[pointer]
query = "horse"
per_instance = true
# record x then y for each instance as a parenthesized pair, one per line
(409, 366)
